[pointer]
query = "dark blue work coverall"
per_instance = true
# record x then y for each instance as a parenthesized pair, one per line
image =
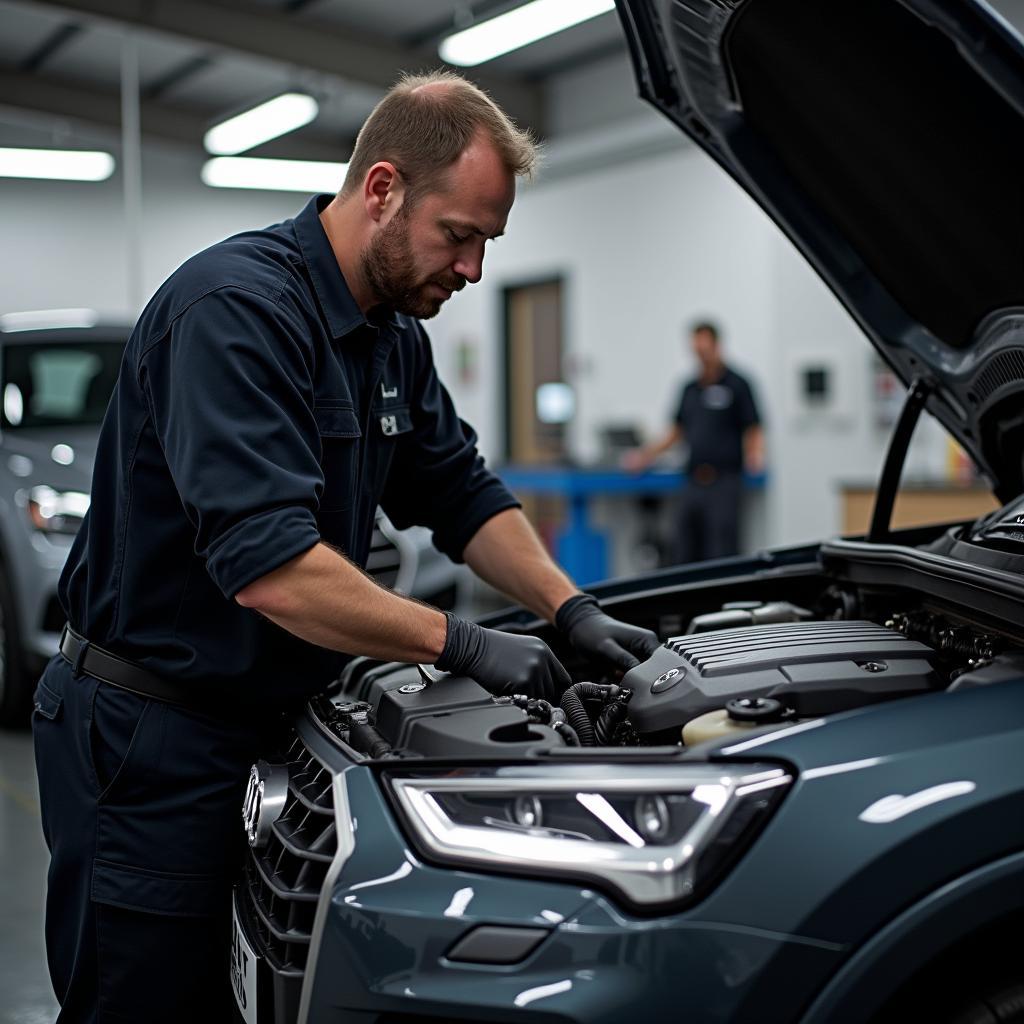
(257, 412)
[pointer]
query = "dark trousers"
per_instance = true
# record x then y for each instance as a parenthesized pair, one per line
(709, 519)
(141, 806)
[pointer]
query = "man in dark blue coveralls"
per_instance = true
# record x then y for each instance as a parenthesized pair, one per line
(717, 417)
(276, 389)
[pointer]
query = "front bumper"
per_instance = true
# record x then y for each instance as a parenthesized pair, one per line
(390, 920)
(354, 927)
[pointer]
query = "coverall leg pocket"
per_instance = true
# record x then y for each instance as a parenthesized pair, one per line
(163, 945)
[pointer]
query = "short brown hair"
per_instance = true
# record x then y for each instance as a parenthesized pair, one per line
(706, 327)
(422, 131)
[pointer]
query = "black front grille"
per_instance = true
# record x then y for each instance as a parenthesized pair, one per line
(284, 879)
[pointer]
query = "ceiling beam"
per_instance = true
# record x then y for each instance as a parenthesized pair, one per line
(101, 108)
(233, 26)
(56, 40)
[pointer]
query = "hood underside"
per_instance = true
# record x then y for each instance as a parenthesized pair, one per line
(886, 139)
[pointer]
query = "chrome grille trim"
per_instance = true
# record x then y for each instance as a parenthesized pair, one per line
(346, 843)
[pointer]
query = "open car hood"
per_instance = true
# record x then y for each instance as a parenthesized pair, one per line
(886, 139)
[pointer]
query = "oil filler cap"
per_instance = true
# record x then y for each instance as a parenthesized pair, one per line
(673, 677)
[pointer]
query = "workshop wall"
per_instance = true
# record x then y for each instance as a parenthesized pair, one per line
(64, 242)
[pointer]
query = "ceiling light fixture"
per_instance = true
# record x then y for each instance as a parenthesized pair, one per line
(56, 164)
(276, 117)
(517, 28)
(276, 175)
(47, 319)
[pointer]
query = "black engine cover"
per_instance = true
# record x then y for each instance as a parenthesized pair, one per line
(814, 668)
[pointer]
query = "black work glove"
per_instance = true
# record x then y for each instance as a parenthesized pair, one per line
(502, 663)
(602, 638)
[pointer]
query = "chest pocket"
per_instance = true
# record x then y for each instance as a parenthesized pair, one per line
(387, 425)
(339, 455)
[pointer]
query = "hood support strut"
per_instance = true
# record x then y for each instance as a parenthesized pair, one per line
(885, 496)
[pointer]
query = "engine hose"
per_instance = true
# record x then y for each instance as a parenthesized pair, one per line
(567, 732)
(607, 722)
(596, 691)
(576, 712)
(366, 739)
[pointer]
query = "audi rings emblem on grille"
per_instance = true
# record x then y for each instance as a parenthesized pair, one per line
(265, 797)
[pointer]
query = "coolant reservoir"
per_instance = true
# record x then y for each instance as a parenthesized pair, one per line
(713, 725)
(737, 718)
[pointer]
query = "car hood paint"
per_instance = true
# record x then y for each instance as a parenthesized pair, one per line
(886, 139)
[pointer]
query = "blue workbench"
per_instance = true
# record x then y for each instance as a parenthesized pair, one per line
(580, 549)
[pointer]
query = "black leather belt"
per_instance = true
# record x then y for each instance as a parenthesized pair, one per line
(87, 657)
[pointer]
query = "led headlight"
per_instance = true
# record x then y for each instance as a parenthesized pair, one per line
(53, 511)
(653, 834)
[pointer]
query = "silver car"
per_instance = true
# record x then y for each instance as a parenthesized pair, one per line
(55, 384)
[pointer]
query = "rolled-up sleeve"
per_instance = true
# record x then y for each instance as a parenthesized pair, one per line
(438, 478)
(230, 392)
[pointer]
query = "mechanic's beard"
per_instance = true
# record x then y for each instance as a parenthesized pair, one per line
(390, 270)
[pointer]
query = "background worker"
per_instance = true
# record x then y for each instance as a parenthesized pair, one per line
(276, 389)
(717, 417)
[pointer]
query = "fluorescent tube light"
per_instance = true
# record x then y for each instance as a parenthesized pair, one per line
(276, 117)
(517, 28)
(48, 319)
(277, 175)
(56, 164)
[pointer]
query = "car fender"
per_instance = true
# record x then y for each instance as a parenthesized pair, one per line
(882, 964)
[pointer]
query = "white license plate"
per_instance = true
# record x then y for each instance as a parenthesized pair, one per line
(243, 970)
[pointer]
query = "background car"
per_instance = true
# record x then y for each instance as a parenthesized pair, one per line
(808, 805)
(55, 384)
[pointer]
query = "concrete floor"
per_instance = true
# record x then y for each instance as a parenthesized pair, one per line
(25, 993)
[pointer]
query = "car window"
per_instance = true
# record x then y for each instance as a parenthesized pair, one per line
(65, 384)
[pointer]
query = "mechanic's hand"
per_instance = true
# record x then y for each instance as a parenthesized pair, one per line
(502, 663)
(602, 638)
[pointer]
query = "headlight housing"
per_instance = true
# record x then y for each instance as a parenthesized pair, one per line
(51, 511)
(652, 834)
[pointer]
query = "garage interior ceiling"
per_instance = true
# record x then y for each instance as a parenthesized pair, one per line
(204, 60)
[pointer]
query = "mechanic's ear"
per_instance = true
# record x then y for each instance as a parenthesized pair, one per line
(383, 190)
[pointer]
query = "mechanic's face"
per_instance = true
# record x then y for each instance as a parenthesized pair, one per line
(705, 348)
(419, 257)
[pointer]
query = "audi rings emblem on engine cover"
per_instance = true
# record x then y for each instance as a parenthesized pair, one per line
(667, 680)
(265, 798)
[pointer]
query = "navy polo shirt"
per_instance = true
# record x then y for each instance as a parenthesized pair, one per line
(258, 411)
(714, 418)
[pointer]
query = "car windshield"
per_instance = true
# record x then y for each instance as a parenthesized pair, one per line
(58, 384)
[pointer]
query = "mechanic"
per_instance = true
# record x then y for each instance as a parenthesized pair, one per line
(276, 388)
(717, 417)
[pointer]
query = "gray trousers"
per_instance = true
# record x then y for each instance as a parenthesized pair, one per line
(708, 523)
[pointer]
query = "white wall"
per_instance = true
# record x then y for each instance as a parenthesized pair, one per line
(63, 243)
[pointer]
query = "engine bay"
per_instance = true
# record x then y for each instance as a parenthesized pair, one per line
(739, 666)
